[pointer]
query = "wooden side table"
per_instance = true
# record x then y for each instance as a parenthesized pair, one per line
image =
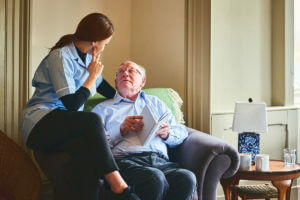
(280, 175)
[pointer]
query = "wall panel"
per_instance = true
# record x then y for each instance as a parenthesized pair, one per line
(14, 64)
(2, 61)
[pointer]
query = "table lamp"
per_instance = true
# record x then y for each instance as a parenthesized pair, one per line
(249, 120)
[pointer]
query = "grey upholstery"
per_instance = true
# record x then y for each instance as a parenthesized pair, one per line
(208, 157)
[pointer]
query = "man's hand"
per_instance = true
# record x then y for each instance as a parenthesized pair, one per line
(132, 123)
(164, 131)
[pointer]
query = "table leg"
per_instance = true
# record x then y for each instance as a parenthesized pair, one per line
(226, 185)
(282, 187)
(288, 192)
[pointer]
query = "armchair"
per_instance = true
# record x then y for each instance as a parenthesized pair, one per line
(208, 157)
(19, 176)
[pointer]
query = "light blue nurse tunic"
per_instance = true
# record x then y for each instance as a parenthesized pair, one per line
(60, 73)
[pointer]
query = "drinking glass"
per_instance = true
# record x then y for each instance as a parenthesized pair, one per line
(289, 156)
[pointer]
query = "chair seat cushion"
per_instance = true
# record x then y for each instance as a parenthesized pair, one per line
(256, 191)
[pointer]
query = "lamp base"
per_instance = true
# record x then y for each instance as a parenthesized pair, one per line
(249, 143)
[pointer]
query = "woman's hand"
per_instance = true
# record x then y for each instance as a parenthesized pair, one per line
(95, 69)
(131, 123)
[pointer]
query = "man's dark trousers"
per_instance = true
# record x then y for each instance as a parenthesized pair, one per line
(155, 178)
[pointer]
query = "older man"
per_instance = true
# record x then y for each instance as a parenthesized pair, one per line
(147, 167)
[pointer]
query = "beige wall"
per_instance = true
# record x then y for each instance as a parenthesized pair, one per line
(148, 32)
(52, 19)
(158, 41)
(240, 52)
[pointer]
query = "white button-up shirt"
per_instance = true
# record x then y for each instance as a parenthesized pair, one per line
(114, 111)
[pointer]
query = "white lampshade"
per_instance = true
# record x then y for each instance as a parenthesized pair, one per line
(250, 117)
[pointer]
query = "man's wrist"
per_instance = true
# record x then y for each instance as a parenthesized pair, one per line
(165, 138)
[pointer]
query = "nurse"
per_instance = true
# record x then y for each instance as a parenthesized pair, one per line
(53, 120)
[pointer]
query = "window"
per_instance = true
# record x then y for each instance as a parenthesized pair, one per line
(297, 52)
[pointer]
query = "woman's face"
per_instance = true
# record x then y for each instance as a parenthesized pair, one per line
(99, 46)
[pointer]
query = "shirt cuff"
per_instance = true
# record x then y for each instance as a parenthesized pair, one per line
(172, 139)
(64, 91)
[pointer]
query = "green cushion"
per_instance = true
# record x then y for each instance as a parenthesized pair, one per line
(93, 101)
(169, 96)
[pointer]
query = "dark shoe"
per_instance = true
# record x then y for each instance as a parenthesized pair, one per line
(127, 194)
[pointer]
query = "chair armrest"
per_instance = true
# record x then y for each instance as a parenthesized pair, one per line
(199, 149)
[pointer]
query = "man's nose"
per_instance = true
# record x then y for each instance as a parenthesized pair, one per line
(125, 73)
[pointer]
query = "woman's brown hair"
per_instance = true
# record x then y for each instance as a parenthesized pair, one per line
(93, 27)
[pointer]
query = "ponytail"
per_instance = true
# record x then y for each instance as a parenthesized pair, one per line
(93, 27)
(63, 41)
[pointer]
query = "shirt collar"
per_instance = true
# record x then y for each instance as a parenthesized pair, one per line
(118, 98)
(74, 55)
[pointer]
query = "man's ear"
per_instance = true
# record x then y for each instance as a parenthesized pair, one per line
(143, 82)
(116, 85)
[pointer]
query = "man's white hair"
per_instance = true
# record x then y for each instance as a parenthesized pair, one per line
(141, 69)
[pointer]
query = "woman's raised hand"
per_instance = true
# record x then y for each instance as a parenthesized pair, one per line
(95, 67)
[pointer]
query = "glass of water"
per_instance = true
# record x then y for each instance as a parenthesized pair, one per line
(289, 156)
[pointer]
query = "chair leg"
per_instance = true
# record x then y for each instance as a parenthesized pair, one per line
(234, 195)
(244, 197)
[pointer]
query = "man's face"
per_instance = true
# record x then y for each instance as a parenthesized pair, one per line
(129, 80)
